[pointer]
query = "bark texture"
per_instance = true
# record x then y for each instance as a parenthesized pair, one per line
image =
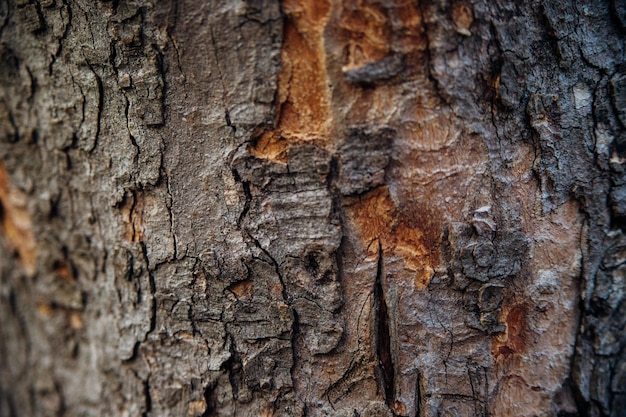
(314, 207)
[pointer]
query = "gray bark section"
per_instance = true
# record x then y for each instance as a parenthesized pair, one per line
(567, 86)
(206, 281)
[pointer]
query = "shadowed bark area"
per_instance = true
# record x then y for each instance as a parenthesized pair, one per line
(312, 208)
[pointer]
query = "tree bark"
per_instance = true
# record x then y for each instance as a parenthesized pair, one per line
(311, 208)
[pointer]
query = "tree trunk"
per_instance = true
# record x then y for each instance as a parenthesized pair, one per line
(346, 207)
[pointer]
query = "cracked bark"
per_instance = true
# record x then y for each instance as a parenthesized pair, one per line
(370, 208)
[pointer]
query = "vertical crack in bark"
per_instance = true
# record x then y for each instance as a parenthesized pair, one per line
(474, 394)
(147, 397)
(58, 389)
(428, 29)
(168, 205)
(7, 404)
(5, 20)
(100, 106)
(33, 88)
(83, 111)
(382, 334)
(246, 190)
(579, 397)
(210, 401)
(153, 309)
(130, 135)
(194, 300)
(233, 366)
(419, 382)
(479, 384)
(161, 69)
(486, 396)
(295, 332)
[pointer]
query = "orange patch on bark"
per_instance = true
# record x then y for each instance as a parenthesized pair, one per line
(45, 310)
(242, 289)
(196, 408)
(15, 223)
(412, 35)
(267, 411)
(413, 237)
(368, 34)
(75, 320)
(304, 113)
(463, 17)
(64, 270)
(132, 210)
(514, 339)
(399, 408)
(373, 31)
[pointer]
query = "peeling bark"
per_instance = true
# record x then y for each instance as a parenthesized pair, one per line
(310, 208)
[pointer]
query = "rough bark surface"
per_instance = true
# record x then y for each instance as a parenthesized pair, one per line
(314, 207)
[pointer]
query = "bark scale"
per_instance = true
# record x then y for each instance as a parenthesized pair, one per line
(369, 208)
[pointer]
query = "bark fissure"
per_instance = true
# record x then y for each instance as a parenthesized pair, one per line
(147, 398)
(62, 38)
(295, 346)
(248, 197)
(152, 288)
(168, 205)
(418, 407)
(382, 334)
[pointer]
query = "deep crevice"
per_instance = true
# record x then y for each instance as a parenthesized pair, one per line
(382, 338)
(153, 312)
(162, 69)
(419, 381)
(246, 189)
(234, 367)
(210, 400)
(428, 29)
(295, 333)
(147, 397)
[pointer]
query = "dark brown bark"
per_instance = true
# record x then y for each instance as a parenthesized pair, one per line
(352, 208)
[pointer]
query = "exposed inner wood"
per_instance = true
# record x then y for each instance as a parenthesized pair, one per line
(132, 210)
(16, 223)
(303, 97)
(378, 220)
